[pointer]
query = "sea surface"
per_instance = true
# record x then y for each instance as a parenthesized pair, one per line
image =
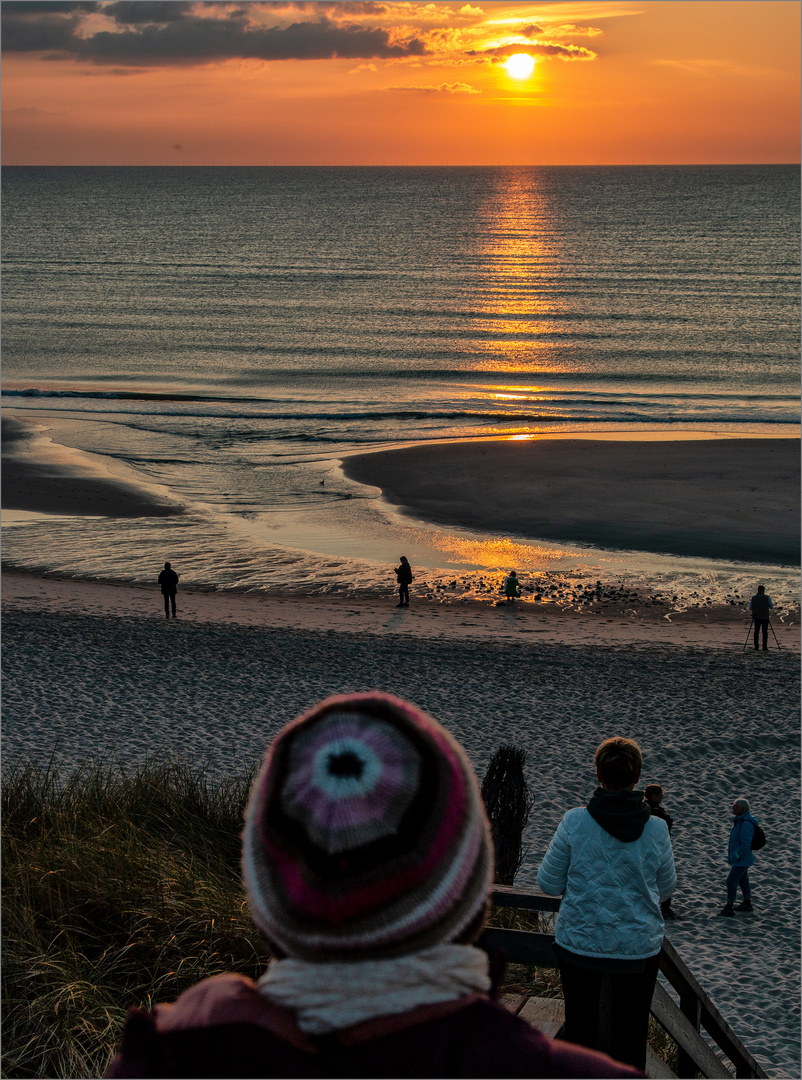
(226, 336)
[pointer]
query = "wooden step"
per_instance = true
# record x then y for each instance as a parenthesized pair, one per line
(548, 1014)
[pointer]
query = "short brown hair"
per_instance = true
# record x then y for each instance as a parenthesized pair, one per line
(619, 762)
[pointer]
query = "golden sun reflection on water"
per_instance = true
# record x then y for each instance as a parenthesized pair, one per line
(518, 311)
(503, 554)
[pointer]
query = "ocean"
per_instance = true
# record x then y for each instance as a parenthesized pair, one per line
(225, 336)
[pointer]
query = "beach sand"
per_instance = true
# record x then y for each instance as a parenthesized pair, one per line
(98, 669)
(722, 498)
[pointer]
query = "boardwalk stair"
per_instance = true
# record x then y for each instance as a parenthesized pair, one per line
(684, 1021)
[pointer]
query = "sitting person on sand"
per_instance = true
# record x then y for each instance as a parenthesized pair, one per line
(612, 863)
(367, 860)
(512, 587)
(740, 856)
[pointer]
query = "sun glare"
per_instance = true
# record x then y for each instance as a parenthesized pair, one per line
(520, 66)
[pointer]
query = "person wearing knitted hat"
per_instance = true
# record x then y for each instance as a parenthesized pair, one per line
(367, 860)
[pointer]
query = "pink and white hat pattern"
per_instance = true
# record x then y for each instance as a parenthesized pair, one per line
(365, 833)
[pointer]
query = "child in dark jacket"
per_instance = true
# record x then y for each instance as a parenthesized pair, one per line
(367, 860)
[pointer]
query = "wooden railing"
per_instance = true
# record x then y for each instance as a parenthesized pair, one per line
(683, 1022)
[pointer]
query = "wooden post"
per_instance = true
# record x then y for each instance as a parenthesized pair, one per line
(691, 1007)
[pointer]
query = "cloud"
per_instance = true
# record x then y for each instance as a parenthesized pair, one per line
(29, 27)
(570, 29)
(443, 88)
(192, 38)
(531, 30)
(536, 48)
(49, 7)
(123, 72)
(134, 12)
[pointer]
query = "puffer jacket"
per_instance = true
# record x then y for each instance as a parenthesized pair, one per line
(740, 852)
(611, 888)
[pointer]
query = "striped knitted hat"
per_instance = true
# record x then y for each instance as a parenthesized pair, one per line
(365, 834)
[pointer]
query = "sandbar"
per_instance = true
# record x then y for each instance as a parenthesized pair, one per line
(42, 483)
(716, 498)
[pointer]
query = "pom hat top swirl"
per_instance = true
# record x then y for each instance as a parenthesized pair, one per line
(365, 834)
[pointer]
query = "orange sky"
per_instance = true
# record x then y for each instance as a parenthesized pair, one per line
(140, 82)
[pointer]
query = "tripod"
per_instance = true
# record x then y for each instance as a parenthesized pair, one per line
(749, 631)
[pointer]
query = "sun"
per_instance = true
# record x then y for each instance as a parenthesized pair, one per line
(520, 66)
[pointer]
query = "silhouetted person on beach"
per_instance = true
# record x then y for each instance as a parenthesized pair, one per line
(740, 857)
(168, 579)
(367, 861)
(512, 587)
(612, 863)
(404, 575)
(760, 605)
(653, 797)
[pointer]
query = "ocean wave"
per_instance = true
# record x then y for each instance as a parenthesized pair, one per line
(128, 395)
(563, 412)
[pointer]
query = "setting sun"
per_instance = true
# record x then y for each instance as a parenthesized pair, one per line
(520, 66)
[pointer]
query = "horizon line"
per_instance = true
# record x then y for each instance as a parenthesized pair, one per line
(385, 165)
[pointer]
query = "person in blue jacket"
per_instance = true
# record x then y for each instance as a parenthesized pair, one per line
(740, 857)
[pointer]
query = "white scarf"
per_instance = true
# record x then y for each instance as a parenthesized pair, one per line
(329, 997)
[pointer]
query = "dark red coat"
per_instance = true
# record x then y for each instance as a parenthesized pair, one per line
(225, 1027)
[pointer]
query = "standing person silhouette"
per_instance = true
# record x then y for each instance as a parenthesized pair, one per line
(760, 605)
(404, 575)
(168, 579)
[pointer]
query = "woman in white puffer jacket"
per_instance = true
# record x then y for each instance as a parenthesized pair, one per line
(612, 863)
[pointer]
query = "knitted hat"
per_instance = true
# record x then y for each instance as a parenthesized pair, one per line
(365, 834)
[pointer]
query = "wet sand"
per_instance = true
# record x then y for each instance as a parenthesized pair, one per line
(38, 476)
(720, 498)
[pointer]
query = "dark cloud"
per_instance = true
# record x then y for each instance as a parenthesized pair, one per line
(341, 7)
(193, 39)
(133, 12)
(30, 28)
(531, 30)
(538, 48)
(48, 7)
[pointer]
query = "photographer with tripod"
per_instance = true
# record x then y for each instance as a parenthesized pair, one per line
(761, 606)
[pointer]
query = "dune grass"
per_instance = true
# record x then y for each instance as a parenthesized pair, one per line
(120, 887)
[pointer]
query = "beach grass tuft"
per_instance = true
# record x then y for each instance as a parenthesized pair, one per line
(120, 887)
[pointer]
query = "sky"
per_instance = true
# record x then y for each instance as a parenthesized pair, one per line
(138, 82)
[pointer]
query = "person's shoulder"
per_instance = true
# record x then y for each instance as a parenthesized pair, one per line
(657, 826)
(203, 1003)
(576, 818)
